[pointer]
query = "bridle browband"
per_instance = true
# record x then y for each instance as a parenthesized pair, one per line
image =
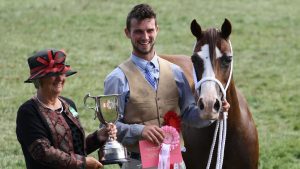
(221, 123)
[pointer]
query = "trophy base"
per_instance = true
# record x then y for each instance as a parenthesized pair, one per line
(113, 153)
(118, 161)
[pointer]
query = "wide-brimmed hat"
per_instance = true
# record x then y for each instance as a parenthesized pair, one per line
(49, 62)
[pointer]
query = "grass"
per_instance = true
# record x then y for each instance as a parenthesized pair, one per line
(266, 59)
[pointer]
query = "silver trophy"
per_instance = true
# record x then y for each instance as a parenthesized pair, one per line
(106, 109)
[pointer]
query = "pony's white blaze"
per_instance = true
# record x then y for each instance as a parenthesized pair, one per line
(204, 55)
(218, 53)
(208, 89)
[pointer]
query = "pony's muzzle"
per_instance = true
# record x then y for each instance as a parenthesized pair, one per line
(209, 108)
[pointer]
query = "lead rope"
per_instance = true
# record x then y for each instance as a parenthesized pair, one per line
(221, 123)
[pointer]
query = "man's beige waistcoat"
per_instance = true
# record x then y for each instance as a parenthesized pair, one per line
(145, 105)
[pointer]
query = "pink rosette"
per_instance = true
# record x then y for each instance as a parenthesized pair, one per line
(171, 136)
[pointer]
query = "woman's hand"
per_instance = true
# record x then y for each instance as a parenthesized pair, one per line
(110, 131)
(92, 163)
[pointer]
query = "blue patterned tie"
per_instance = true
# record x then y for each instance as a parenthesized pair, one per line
(149, 76)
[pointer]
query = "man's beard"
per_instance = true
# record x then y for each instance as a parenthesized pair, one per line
(143, 51)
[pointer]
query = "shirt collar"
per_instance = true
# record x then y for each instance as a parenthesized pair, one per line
(141, 63)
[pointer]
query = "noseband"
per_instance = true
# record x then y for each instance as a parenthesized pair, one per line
(221, 123)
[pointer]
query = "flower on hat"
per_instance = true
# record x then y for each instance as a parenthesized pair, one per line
(46, 63)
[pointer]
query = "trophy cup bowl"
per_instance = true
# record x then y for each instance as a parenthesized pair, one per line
(106, 110)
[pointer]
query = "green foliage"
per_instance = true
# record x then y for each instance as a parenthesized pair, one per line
(266, 47)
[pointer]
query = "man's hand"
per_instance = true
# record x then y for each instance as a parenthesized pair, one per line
(225, 106)
(92, 163)
(153, 134)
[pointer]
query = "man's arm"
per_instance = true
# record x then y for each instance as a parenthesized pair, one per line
(116, 83)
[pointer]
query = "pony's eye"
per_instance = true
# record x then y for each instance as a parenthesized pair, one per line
(226, 60)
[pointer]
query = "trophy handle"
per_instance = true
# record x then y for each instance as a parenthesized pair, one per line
(85, 98)
(96, 107)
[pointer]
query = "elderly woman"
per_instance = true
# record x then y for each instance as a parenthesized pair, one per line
(48, 127)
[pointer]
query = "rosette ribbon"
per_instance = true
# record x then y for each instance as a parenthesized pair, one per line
(170, 142)
(172, 119)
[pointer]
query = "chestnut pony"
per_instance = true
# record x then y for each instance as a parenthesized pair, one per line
(209, 72)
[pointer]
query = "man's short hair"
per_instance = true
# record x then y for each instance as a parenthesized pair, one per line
(140, 12)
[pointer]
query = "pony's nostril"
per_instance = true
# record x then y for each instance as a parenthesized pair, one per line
(201, 104)
(217, 105)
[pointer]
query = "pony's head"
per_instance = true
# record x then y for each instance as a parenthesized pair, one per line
(212, 61)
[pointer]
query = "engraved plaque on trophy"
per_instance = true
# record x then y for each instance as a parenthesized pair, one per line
(106, 110)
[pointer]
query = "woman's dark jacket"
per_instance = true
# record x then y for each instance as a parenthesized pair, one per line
(47, 137)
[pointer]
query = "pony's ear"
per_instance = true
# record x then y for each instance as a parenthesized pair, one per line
(226, 29)
(196, 29)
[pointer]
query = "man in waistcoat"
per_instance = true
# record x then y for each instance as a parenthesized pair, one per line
(149, 87)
